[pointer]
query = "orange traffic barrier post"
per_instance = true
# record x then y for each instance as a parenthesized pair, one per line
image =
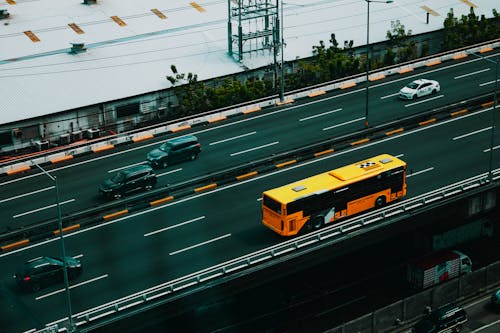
(102, 148)
(427, 122)
(324, 152)
(115, 214)
(180, 128)
(405, 70)
(286, 101)
(255, 109)
(15, 245)
(143, 137)
(205, 188)
(246, 175)
(161, 201)
(460, 55)
(61, 159)
(284, 164)
(348, 85)
(67, 229)
(359, 142)
(399, 130)
(18, 170)
(377, 77)
(459, 113)
(486, 49)
(317, 93)
(216, 119)
(433, 63)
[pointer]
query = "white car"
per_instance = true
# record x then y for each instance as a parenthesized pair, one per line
(419, 88)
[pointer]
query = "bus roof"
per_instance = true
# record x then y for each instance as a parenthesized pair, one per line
(337, 178)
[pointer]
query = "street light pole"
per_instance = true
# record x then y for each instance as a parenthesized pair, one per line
(63, 248)
(368, 54)
(282, 85)
(493, 122)
(492, 140)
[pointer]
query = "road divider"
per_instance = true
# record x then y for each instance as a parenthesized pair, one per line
(285, 164)
(15, 245)
(20, 169)
(115, 214)
(67, 229)
(205, 188)
(61, 159)
(247, 175)
(141, 138)
(161, 201)
(102, 148)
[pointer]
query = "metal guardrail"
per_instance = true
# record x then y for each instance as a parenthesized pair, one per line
(294, 247)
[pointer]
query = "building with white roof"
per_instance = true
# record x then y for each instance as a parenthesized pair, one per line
(130, 46)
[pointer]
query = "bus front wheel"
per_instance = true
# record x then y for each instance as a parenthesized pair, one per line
(318, 222)
(380, 202)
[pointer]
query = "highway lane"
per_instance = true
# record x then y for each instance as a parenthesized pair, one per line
(145, 249)
(30, 199)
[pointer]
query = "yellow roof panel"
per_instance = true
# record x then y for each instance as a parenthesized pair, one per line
(329, 180)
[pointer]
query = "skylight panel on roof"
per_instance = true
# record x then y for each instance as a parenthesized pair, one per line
(118, 21)
(197, 7)
(32, 36)
(158, 13)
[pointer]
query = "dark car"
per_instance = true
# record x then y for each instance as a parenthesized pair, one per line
(495, 300)
(139, 177)
(445, 319)
(174, 151)
(44, 271)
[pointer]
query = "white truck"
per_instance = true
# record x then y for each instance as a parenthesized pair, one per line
(437, 267)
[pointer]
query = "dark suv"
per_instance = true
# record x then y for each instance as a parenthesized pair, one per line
(129, 180)
(174, 150)
(445, 319)
(44, 271)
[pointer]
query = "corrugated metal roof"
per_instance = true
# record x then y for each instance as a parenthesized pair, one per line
(39, 78)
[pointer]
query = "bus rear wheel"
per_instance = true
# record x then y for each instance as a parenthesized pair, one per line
(380, 202)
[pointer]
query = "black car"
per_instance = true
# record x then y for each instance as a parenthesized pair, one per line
(139, 177)
(495, 300)
(445, 319)
(174, 150)
(44, 271)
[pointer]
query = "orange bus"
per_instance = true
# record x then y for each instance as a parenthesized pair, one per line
(315, 201)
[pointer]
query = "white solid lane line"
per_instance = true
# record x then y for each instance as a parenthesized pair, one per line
(487, 83)
(127, 166)
(473, 73)
(320, 114)
(232, 138)
(419, 172)
(174, 226)
(471, 133)
(342, 124)
(43, 208)
(255, 148)
(488, 149)
(200, 244)
(391, 95)
(26, 194)
(168, 172)
(71, 287)
(423, 101)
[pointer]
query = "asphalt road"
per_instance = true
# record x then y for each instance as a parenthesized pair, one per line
(28, 199)
(148, 248)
